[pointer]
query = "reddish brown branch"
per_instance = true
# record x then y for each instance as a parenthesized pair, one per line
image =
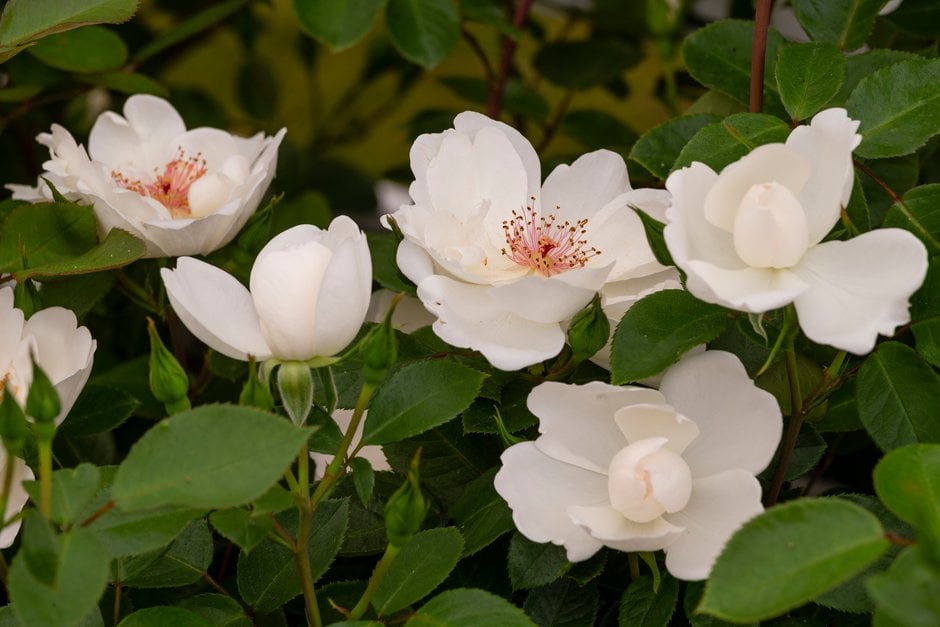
(759, 53)
(498, 86)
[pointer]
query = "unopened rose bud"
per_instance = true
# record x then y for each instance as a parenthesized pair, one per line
(168, 381)
(42, 402)
(406, 508)
(589, 330)
(295, 385)
(12, 422)
(379, 349)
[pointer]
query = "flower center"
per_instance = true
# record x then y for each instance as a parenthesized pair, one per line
(171, 188)
(645, 480)
(545, 245)
(770, 229)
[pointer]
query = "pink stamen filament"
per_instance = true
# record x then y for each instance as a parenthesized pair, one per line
(171, 188)
(545, 245)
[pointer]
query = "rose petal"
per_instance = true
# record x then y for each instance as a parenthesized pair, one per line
(720, 504)
(609, 526)
(745, 289)
(469, 317)
(585, 187)
(647, 420)
(540, 490)
(472, 123)
(17, 498)
(577, 421)
(11, 327)
(739, 424)
(541, 299)
(859, 288)
(216, 308)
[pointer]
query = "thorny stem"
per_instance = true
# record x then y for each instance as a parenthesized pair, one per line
(302, 554)
(377, 575)
(758, 54)
(45, 478)
(498, 86)
(101, 511)
(793, 425)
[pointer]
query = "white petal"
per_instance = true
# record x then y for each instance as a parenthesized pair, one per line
(765, 164)
(114, 142)
(617, 232)
(577, 421)
(610, 527)
(541, 299)
(469, 317)
(184, 236)
(216, 308)
(11, 327)
(17, 498)
(153, 117)
(472, 123)
(859, 288)
(409, 315)
(587, 185)
(739, 424)
(539, 490)
(424, 148)
(720, 504)
(745, 289)
(413, 261)
(653, 202)
(827, 143)
(770, 227)
(213, 145)
(641, 421)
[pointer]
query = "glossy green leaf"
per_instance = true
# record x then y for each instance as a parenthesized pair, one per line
(573, 64)
(72, 488)
(534, 564)
(162, 616)
(908, 593)
(719, 56)
(79, 292)
(563, 603)
(241, 527)
(204, 20)
(81, 578)
(183, 563)
(423, 563)
(788, 555)
(907, 480)
(658, 330)
(641, 606)
(897, 108)
(118, 249)
(723, 143)
(898, 395)
(658, 148)
(847, 23)
(135, 533)
(98, 408)
(919, 212)
(481, 514)
(214, 456)
(423, 31)
(218, 609)
(337, 23)
(858, 66)
(419, 397)
(808, 75)
(654, 236)
(83, 50)
(469, 607)
(596, 129)
(44, 234)
(26, 20)
(363, 477)
(925, 315)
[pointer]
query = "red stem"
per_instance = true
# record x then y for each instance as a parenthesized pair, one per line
(498, 87)
(758, 54)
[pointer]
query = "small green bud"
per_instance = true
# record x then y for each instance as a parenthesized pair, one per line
(13, 426)
(256, 393)
(406, 508)
(379, 348)
(168, 381)
(42, 401)
(589, 330)
(295, 385)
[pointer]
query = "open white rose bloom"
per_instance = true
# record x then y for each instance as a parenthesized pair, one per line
(637, 469)
(502, 261)
(65, 352)
(751, 238)
(309, 293)
(184, 192)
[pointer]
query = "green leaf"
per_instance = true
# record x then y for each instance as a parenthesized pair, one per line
(72, 488)
(897, 108)
(136, 533)
(45, 233)
(25, 20)
(363, 478)
(858, 66)
(533, 564)
(719, 56)
(214, 456)
(641, 606)
(423, 31)
(98, 409)
(808, 76)
(383, 247)
(337, 23)
(597, 129)
(788, 555)
(574, 64)
(909, 592)
(423, 563)
(218, 609)
(481, 514)
(469, 607)
(419, 397)
(563, 603)
(79, 293)
(654, 235)
(518, 98)
(659, 329)
(925, 314)
(81, 579)
(847, 23)
(659, 148)
(267, 577)
(162, 616)
(183, 563)
(919, 212)
(907, 480)
(127, 83)
(241, 527)
(84, 50)
(920, 17)
(723, 143)
(898, 395)
(199, 22)
(118, 249)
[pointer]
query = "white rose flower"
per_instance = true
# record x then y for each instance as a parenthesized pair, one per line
(309, 293)
(504, 262)
(637, 469)
(372, 452)
(182, 192)
(750, 238)
(63, 350)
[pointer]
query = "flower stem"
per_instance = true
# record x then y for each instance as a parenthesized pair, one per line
(634, 560)
(758, 54)
(391, 551)
(302, 553)
(8, 469)
(498, 87)
(793, 425)
(45, 478)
